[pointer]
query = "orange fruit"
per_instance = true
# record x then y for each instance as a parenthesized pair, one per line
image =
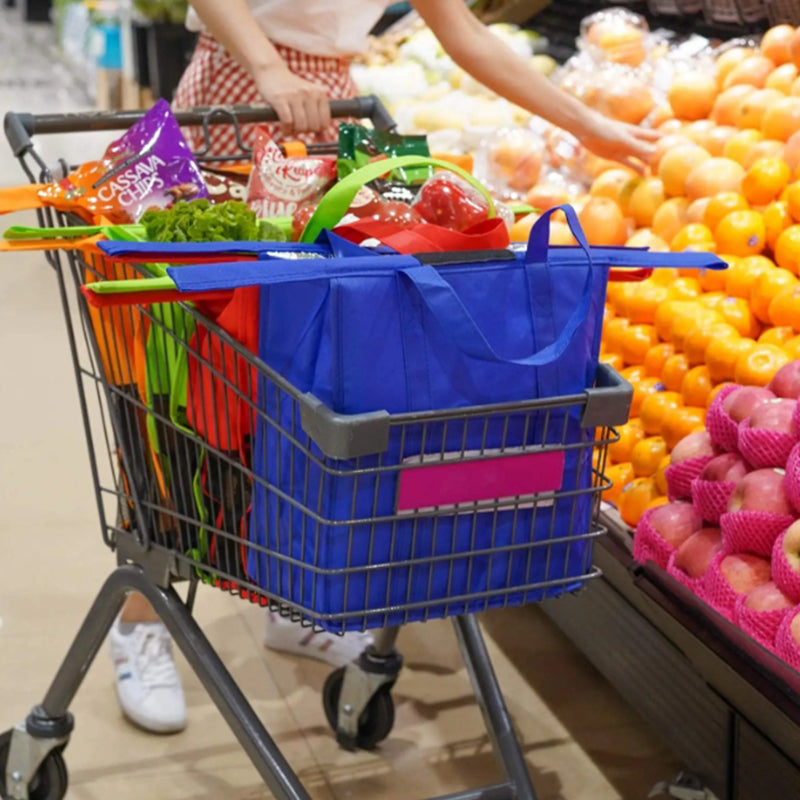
(696, 342)
(742, 274)
(613, 184)
(660, 476)
(696, 386)
(640, 305)
(738, 314)
(629, 100)
(646, 197)
(644, 237)
(792, 348)
(666, 315)
(776, 220)
(759, 365)
(710, 300)
(751, 110)
(794, 48)
(718, 137)
(741, 233)
(784, 310)
(722, 355)
(737, 147)
(698, 131)
(603, 222)
(630, 434)
(674, 371)
(676, 165)
(633, 374)
(781, 119)
(636, 341)
(716, 390)
(782, 78)
(612, 337)
(620, 475)
(670, 218)
(787, 249)
(767, 285)
(712, 280)
(766, 148)
(727, 104)
(635, 498)
(668, 141)
(641, 389)
(775, 43)
(654, 408)
(695, 235)
(753, 70)
(620, 41)
(656, 357)
(791, 151)
(647, 455)
(721, 205)
(661, 500)
(664, 276)
(614, 360)
(684, 288)
(692, 95)
(680, 422)
(714, 175)
(792, 200)
(729, 59)
(765, 180)
(778, 336)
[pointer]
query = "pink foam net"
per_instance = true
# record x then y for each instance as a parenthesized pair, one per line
(786, 648)
(679, 477)
(716, 591)
(648, 544)
(759, 625)
(710, 498)
(792, 479)
(723, 430)
(752, 531)
(787, 580)
(693, 584)
(764, 448)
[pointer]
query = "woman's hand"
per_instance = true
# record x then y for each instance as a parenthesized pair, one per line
(618, 141)
(301, 106)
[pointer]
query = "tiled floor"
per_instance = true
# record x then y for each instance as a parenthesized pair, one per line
(581, 741)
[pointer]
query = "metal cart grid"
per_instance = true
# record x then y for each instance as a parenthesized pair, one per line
(180, 502)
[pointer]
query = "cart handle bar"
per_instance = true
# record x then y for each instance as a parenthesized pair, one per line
(20, 127)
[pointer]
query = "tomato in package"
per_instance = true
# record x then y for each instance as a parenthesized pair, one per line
(149, 166)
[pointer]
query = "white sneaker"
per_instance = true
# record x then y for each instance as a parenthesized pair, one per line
(148, 685)
(290, 637)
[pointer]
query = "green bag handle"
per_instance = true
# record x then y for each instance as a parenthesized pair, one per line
(336, 202)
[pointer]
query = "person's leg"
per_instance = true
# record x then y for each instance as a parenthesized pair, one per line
(148, 685)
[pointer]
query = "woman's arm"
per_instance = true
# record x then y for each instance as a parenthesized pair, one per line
(301, 105)
(480, 53)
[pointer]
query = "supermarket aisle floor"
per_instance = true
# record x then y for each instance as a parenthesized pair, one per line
(581, 741)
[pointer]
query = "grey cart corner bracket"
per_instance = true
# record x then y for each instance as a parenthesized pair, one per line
(210, 469)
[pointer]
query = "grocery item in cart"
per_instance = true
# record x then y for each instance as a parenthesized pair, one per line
(149, 166)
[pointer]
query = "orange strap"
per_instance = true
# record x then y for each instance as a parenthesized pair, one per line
(295, 149)
(87, 244)
(21, 198)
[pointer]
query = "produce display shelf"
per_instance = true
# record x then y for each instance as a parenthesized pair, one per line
(728, 708)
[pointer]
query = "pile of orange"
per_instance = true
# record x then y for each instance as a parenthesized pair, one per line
(725, 179)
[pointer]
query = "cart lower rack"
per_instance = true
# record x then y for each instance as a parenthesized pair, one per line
(176, 410)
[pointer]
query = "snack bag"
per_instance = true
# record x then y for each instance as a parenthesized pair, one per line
(279, 185)
(149, 166)
(224, 186)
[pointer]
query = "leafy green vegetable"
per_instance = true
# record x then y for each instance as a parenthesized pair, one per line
(202, 221)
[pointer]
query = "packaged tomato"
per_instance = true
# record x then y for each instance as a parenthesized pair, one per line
(448, 200)
(279, 185)
(149, 166)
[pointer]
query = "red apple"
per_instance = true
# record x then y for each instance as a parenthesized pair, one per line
(695, 445)
(696, 554)
(675, 522)
(794, 629)
(744, 571)
(767, 597)
(791, 545)
(786, 382)
(740, 403)
(761, 490)
(774, 415)
(725, 467)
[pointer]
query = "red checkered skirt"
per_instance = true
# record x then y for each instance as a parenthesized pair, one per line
(214, 78)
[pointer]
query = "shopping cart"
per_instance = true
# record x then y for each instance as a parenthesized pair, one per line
(173, 504)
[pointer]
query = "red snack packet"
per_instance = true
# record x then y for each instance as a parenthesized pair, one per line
(278, 185)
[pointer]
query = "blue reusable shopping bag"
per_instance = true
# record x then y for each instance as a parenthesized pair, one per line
(370, 333)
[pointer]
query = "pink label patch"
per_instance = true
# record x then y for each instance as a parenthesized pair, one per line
(447, 483)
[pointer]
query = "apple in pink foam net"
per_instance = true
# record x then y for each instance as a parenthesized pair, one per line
(761, 490)
(786, 382)
(791, 546)
(675, 522)
(767, 597)
(725, 467)
(695, 555)
(744, 571)
(774, 415)
(695, 445)
(740, 403)
(794, 629)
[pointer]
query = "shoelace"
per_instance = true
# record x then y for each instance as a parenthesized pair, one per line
(154, 660)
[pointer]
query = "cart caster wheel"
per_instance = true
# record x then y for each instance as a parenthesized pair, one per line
(375, 722)
(50, 781)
